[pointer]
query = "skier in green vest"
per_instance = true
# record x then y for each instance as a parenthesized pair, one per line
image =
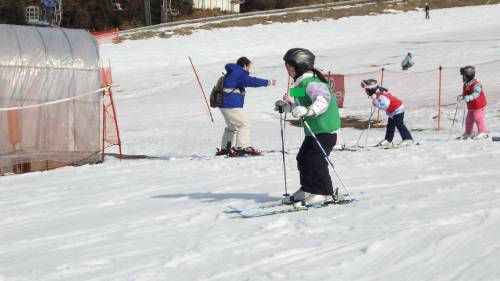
(315, 104)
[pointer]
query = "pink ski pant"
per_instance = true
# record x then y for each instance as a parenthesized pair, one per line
(475, 117)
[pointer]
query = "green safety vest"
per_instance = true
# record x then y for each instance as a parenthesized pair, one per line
(329, 121)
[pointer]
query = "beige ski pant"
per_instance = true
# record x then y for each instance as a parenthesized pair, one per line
(237, 129)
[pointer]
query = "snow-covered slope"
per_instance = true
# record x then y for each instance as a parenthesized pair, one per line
(427, 212)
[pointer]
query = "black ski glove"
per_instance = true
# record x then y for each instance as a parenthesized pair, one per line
(282, 106)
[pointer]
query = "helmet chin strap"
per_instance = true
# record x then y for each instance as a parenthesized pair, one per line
(297, 75)
(299, 72)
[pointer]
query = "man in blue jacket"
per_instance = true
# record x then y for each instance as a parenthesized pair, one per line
(237, 131)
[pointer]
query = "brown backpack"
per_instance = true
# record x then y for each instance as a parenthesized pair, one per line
(217, 94)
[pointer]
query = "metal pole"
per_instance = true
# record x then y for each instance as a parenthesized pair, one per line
(286, 195)
(463, 118)
(369, 126)
(326, 157)
(372, 111)
(453, 123)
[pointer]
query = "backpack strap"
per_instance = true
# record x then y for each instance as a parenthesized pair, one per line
(232, 91)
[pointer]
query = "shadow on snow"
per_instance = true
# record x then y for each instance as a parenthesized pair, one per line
(214, 197)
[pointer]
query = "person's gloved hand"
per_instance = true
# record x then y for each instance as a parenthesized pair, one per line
(301, 111)
(282, 106)
(460, 98)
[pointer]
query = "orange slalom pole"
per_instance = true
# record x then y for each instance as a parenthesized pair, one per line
(439, 96)
(115, 116)
(202, 91)
(115, 119)
(377, 122)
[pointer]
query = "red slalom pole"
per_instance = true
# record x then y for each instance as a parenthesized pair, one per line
(288, 87)
(377, 123)
(202, 91)
(287, 91)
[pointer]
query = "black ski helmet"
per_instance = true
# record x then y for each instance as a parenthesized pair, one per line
(301, 59)
(468, 71)
(370, 85)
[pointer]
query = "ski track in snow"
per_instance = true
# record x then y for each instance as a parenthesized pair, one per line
(426, 212)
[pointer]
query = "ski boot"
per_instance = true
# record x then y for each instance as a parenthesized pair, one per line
(220, 152)
(318, 199)
(314, 200)
(480, 136)
(299, 195)
(230, 153)
(463, 137)
(384, 144)
(407, 142)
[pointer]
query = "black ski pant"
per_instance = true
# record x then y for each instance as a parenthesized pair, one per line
(313, 167)
(397, 121)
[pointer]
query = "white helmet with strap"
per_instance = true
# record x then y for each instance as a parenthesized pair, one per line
(370, 86)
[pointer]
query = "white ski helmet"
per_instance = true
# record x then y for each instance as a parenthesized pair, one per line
(370, 86)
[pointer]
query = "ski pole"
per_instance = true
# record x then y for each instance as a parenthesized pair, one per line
(463, 118)
(372, 111)
(286, 195)
(326, 157)
(369, 126)
(453, 123)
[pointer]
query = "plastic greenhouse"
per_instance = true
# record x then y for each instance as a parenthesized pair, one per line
(50, 98)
